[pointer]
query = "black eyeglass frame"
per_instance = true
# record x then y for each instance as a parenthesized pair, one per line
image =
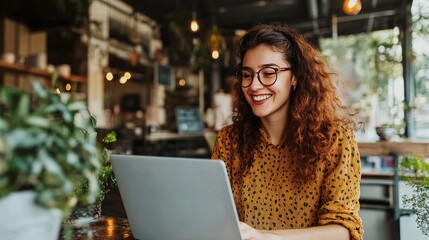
(239, 77)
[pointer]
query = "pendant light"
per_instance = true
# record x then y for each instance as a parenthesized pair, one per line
(194, 25)
(352, 7)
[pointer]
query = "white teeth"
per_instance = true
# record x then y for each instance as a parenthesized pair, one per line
(261, 97)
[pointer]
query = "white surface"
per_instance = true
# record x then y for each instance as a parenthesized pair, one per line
(21, 219)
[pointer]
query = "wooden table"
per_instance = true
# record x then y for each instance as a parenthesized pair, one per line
(103, 228)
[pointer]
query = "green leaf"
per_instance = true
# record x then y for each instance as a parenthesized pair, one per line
(38, 121)
(49, 163)
(76, 106)
(36, 168)
(93, 121)
(40, 90)
(3, 124)
(72, 158)
(10, 97)
(54, 78)
(110, 137)
(23, 108)
(22, 138)
(46, 198)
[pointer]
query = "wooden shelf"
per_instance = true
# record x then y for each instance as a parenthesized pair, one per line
(377, 175)
(386, 148)
(22, 69)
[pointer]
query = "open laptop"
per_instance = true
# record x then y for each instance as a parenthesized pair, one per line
(176, 198)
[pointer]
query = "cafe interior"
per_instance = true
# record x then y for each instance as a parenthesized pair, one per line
(159, 74)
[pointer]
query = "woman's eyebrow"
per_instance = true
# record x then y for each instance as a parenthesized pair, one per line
(261, 66)
(268, 65)
(246, 68)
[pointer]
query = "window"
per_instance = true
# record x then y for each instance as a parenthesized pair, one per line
(370, 70)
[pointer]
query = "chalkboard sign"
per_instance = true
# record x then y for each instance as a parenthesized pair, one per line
(164, 75)
(188, 120)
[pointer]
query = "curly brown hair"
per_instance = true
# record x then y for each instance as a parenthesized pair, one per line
(315, 109)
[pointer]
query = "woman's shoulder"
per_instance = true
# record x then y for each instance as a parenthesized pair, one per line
(343, 138)
(225, 131)
(343, 130)
(224, 134)
(221, 149)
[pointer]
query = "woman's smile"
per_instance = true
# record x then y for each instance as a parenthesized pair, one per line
(259, 98)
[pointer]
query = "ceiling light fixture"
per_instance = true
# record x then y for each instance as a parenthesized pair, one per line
(216, 42)
(215, 54)
(109, 76)
(352, 7)
(195, 27)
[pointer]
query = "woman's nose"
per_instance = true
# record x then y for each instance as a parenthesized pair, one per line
(256, 84)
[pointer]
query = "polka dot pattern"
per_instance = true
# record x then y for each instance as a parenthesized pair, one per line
(269, 198)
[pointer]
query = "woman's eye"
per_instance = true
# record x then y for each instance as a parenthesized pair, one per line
(269, 74)
(246, 75)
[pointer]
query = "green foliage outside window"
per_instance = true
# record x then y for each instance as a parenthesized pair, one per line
(415, 171)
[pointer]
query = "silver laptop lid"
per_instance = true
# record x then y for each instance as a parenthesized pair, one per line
(176, 198)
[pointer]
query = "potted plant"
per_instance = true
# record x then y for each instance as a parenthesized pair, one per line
(415, 171)
(47, 145)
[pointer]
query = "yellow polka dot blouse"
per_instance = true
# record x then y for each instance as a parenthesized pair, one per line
(268, 198)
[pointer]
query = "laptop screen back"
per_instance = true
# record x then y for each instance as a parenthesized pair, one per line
(176, 198)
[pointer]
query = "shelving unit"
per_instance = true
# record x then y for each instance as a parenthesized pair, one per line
(27, 70)
(381, 192)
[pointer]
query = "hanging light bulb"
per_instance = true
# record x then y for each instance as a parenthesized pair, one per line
(109, 76)
(182, 82)
(215, 42)
(215, 54)
(123, 80)
(352, 7)
(68, 87)
(195, 27)
(127, 75)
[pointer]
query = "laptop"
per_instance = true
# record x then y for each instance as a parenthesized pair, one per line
(176, 198)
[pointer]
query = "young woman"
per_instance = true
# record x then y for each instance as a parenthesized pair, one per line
(290, 153)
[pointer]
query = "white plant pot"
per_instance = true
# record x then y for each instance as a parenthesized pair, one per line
(22, 219)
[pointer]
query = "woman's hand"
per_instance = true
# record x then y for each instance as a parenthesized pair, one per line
(328, 232)
(250, 233)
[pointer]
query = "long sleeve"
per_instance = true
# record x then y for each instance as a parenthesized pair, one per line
(341, 187)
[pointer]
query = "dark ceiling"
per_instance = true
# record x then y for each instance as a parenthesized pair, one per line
(314, 18)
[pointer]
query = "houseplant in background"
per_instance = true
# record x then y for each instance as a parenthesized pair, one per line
(105, 178)
(47, 145)
(415, 171)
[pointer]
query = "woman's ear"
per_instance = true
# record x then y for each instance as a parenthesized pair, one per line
(293, 82)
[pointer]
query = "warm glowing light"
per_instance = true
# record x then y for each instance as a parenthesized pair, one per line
(182, 82)
(57, 91)
(194, 25)
(110, 230)
(68, 87)
(352, 7)
(123, 80)
(109, 76)
(215, 54)
(127, 75)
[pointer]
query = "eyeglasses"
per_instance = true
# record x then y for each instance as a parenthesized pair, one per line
(267, 76)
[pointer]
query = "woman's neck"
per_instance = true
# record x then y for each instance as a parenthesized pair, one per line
(275, 129)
